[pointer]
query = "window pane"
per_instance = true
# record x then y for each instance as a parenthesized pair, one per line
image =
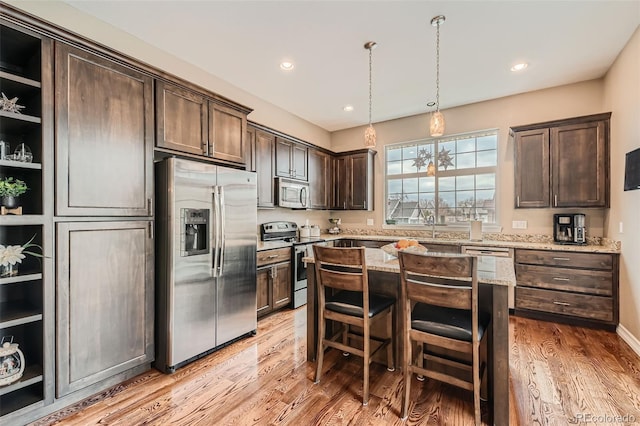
(465, 199)
(394, 187)
(466, 161)
(447, 199)
(447, 183)
(487, 158)
(394, 154)
(485, 198)
(487, 142)
(409, 152)
(394, 167)
(427, 184)
(486, 181)
(408, 166)
(448, 146)
(466, 145)
(410, 185)
(428, 201)
(465, 182)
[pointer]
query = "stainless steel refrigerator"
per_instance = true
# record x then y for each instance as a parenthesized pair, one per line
(206, 222)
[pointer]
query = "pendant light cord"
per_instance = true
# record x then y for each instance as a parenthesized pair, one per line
(438, 67)
(370, 82)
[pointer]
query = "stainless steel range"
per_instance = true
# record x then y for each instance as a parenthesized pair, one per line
(288, 231)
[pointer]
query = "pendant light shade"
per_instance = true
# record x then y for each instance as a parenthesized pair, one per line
(431, 169)
(370, 132)
(436, 128)
(370, 137)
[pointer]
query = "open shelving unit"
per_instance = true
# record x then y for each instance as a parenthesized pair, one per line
(24, 313)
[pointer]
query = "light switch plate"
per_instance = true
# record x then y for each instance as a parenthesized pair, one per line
(519, 224)
(369, 222)
(621, 228)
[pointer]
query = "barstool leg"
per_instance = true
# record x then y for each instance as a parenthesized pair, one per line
(391, 366)
(406, 366)
(320, 348)
(367, 361)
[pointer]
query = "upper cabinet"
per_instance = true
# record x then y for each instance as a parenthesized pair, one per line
(194, 123)
(265, 164)
(104, 136)
(353, 180)
(319, 179)
(291, 159)
(563, 163)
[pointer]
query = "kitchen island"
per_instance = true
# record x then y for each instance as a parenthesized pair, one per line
(495, 275)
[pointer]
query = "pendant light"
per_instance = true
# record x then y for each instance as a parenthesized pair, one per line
(370, 133)
(436, 127)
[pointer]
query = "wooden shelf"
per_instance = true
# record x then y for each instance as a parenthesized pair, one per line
(31, 375)
(20, 79)
(25, 219)
(20, 278)
(12, 315)
(20, 165)
(20, 117)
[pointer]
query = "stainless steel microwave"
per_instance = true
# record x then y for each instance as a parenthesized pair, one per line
(293, 194)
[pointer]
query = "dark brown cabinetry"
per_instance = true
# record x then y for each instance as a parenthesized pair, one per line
(273, 280)
(104, 328)
(568, 286)
(104, 137)
(26, 313)
(319, 179)
(191, 122)
(563, 163)
(264, 156)
(353, 176)
(291, 159)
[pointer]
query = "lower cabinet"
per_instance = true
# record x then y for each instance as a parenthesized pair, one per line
(575, 287)
(273, 280)
(105, 308)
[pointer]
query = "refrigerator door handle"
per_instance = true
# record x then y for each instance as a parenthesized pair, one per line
(216, 231)
(222, 234)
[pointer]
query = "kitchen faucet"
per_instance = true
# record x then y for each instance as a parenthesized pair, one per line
(431, 220)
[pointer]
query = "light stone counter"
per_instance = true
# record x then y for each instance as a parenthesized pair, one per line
(491, 270)
(527, 242)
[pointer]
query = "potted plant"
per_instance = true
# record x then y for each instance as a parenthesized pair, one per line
(10, 190)
(12, 255)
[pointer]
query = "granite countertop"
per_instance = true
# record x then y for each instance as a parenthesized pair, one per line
(491, 270)
(589, 248)
(535, 245)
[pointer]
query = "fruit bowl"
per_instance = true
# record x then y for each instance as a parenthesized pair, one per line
(403, 245)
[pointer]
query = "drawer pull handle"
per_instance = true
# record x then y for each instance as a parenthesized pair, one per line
(560, 279)
(562, 303)
(561, 258)
(272, 256)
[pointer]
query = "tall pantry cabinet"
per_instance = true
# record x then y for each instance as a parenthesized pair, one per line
(104, 218)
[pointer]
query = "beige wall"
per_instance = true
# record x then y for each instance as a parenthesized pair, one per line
(65, 16)
(622, 97)
(555, 103)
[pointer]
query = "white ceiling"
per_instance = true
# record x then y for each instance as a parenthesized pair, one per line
(243, 42)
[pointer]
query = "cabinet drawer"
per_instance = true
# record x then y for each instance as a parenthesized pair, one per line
(577, 305)
(267, 257)
(566, 279)
(567, 259)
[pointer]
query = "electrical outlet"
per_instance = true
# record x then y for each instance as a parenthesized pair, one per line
(519, 224)
(369, 222)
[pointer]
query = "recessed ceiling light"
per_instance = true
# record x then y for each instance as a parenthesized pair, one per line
(348, 108)
(287, 66)
(519, 67)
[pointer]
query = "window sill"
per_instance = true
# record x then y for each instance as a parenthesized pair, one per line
(443, 228)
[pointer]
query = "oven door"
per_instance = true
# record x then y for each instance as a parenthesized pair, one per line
(300, 271)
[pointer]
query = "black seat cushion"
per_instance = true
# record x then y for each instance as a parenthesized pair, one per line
(350, 303)
(447, 322)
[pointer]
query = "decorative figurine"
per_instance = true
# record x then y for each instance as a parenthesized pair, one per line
(10, 105)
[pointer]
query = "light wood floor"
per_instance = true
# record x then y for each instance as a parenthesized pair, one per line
(559, 375)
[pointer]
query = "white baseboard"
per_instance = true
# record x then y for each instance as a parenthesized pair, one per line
(629, 338)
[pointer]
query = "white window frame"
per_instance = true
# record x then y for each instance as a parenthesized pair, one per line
(488, 227)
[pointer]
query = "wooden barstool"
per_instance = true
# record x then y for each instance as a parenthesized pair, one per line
(443, 290)
(345, 270)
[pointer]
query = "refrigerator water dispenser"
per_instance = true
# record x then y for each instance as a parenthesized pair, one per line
(195, 231)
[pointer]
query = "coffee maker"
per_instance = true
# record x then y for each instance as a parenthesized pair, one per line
(569, 228)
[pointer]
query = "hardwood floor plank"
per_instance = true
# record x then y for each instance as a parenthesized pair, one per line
(559, 375)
